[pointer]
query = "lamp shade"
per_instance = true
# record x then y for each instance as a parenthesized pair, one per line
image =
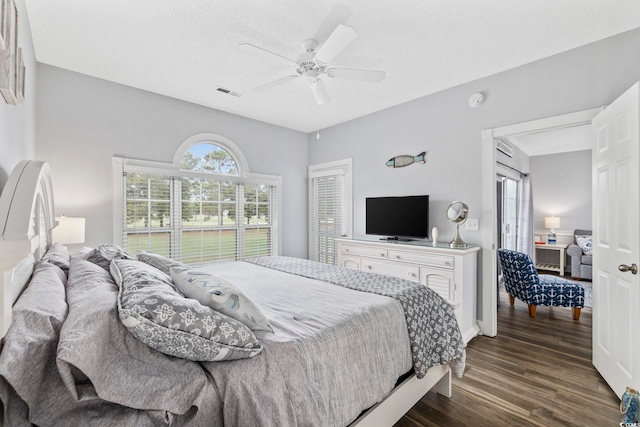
(69, 230)
(552, 222)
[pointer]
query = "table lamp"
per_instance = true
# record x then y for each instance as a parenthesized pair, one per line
(552, 222)
(69, 230)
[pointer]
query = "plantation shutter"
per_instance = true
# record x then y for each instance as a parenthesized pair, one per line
(330, 208)
(329, 216)
(199, 220)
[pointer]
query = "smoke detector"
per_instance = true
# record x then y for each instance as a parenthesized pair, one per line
(476, 99)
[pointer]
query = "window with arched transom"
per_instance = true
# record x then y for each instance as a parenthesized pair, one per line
(204, 207)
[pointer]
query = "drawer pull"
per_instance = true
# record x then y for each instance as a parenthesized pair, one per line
(369, 267)
(382, 254)
(412, 274)
(397, 256)
(346, 250)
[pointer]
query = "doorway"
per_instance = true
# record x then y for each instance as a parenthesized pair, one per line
(490, 233)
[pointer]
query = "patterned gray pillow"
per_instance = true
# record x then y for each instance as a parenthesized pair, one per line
(221, 296)
(160, 262)
(157, 315)
(58, 255)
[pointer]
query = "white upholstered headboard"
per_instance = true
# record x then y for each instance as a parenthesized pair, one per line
(26, 220)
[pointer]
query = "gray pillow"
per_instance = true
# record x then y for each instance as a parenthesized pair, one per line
(111, 252)
(166, 321)
(160, 262)
(221, 296)
(92, 255)
(98, 356)
(30, 343)
(59, 256)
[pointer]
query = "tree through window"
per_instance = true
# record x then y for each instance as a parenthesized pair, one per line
(209, 157)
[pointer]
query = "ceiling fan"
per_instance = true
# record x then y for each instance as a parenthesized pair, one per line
(312, 65)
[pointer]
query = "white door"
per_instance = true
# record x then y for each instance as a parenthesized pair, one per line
(616, 217)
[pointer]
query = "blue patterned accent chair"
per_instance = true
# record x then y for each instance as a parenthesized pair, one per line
(522, 281)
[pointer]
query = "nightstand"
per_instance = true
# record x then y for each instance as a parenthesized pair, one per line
(560, 248)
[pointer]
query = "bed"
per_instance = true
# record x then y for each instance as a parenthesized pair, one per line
(327, 346)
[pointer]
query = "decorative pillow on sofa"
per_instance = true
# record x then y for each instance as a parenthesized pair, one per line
(163, 319)
(160, 262)
(586, 243)
(58, 255)
(221, 296)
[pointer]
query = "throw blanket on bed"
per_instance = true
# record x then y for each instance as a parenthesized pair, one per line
(433, 329)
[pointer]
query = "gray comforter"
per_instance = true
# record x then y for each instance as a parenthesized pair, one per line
(321, 367)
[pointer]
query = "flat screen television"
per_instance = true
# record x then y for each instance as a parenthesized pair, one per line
(398, 218)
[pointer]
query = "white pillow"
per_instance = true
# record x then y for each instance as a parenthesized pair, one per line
(585, 243)
(220, 295)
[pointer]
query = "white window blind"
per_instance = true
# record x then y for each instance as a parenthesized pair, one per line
(199, 220)
(330, 208)
(328, 212)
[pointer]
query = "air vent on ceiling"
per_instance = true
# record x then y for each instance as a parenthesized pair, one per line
(229, 92)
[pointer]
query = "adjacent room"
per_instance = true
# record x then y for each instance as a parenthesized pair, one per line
(319, 213)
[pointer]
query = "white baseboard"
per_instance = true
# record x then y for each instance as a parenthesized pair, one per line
(470, 333)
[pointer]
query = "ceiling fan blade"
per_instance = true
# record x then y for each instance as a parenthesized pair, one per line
(373, 76)
(275, 83)
(248, 47)
(338, 40)
(319, 92)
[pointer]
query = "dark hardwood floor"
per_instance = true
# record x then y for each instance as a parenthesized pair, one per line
(535, 372)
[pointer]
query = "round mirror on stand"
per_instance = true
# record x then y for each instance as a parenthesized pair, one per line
(457, 213)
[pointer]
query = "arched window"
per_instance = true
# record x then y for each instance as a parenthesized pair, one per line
(211, 153)
(206, 206)
(209, 157)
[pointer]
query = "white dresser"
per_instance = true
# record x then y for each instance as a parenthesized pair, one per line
(452, 273)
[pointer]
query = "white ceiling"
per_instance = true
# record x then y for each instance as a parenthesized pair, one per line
(555, 141)
(186, 48)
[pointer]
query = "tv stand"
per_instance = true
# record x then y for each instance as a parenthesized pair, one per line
(452, 273)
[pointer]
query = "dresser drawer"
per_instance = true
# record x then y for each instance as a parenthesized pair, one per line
(441, 261)
(408, 272)
(361, 251)
(441, 280)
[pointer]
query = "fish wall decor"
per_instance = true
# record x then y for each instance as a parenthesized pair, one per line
(404, 160)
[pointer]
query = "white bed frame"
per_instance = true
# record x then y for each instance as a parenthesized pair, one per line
(26, 220)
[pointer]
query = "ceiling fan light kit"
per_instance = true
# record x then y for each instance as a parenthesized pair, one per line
(312, 65)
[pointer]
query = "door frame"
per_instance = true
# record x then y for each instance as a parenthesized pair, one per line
(489, 288)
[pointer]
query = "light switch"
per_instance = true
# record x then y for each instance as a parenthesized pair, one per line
(471, 224)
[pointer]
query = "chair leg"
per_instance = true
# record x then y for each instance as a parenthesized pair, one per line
(512, 299)
(532, 310)
(576, 313)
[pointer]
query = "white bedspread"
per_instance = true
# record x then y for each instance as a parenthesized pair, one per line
(350, 363)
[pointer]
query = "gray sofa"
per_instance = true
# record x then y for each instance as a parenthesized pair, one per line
(581, 265)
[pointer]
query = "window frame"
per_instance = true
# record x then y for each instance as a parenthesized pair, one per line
(122, 165)
(220, 141)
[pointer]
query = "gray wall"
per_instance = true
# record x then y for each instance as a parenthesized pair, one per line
(83, 122)
(449, 130)
(562, 187)
(17, 122)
